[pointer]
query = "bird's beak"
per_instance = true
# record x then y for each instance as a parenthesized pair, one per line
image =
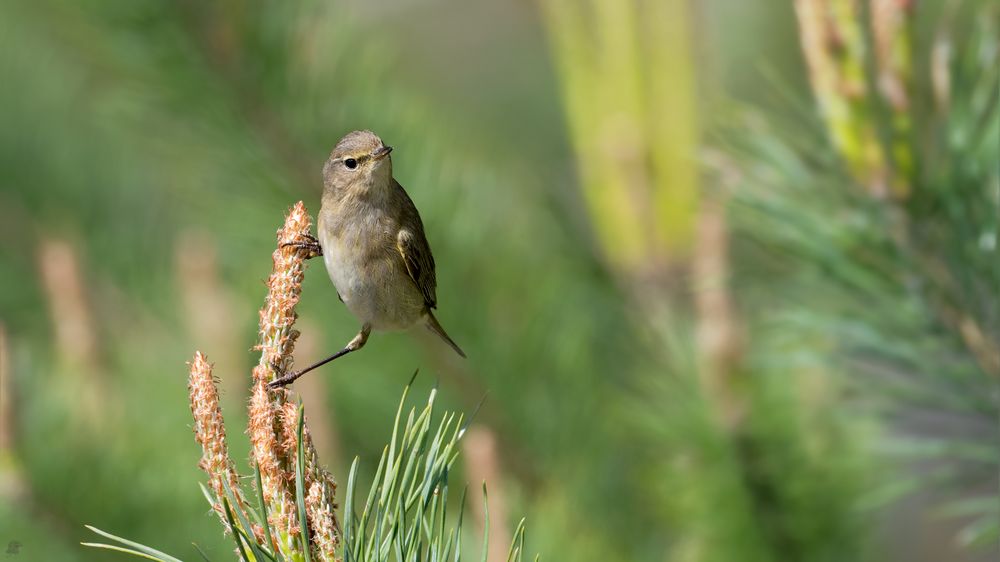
(381, 152)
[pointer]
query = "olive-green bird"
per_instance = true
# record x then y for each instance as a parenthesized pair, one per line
(373, 243)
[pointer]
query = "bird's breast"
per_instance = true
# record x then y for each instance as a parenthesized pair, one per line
(368, 272)
(350, 261)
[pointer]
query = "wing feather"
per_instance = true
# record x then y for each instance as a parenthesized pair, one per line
(416, 252)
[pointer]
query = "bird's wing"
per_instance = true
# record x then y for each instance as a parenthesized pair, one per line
(416, 252)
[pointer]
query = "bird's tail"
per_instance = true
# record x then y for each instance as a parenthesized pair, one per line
(434, 326)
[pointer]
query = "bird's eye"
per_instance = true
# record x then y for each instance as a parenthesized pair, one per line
(351, 163)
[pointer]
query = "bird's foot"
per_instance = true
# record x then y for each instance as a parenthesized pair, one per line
(285, 380)
(280, 375)
(312, 250)
(310, 245)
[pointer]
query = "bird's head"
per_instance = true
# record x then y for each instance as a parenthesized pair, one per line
(359, 161)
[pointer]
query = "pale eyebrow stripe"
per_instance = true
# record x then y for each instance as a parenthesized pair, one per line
(360, 158)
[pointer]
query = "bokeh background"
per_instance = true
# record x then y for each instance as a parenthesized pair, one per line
(726, 271)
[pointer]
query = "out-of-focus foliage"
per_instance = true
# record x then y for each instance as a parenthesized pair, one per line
(893, 290)
(132, 127)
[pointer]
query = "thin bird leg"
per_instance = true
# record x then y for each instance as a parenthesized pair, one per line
(355, 344)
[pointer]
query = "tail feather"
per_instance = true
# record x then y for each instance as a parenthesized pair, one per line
(434, 326)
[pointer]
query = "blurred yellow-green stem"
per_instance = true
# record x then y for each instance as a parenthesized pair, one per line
(835, 44)
(629, 86)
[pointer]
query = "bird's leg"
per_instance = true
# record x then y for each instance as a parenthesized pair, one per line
(311, 244)
(355, 344)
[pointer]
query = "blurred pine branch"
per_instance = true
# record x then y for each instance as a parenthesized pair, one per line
(894, 223)
(732, 469)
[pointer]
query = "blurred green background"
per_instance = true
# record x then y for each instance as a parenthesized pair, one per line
(727, 271)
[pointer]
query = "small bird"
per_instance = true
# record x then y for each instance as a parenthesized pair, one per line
(373, 243)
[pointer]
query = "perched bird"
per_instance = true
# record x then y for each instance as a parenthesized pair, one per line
(373, 243)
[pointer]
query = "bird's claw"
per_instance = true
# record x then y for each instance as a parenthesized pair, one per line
(282, 382)
(277, 383)
(311, 245)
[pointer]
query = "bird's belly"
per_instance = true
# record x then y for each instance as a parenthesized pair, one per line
(374, 288)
